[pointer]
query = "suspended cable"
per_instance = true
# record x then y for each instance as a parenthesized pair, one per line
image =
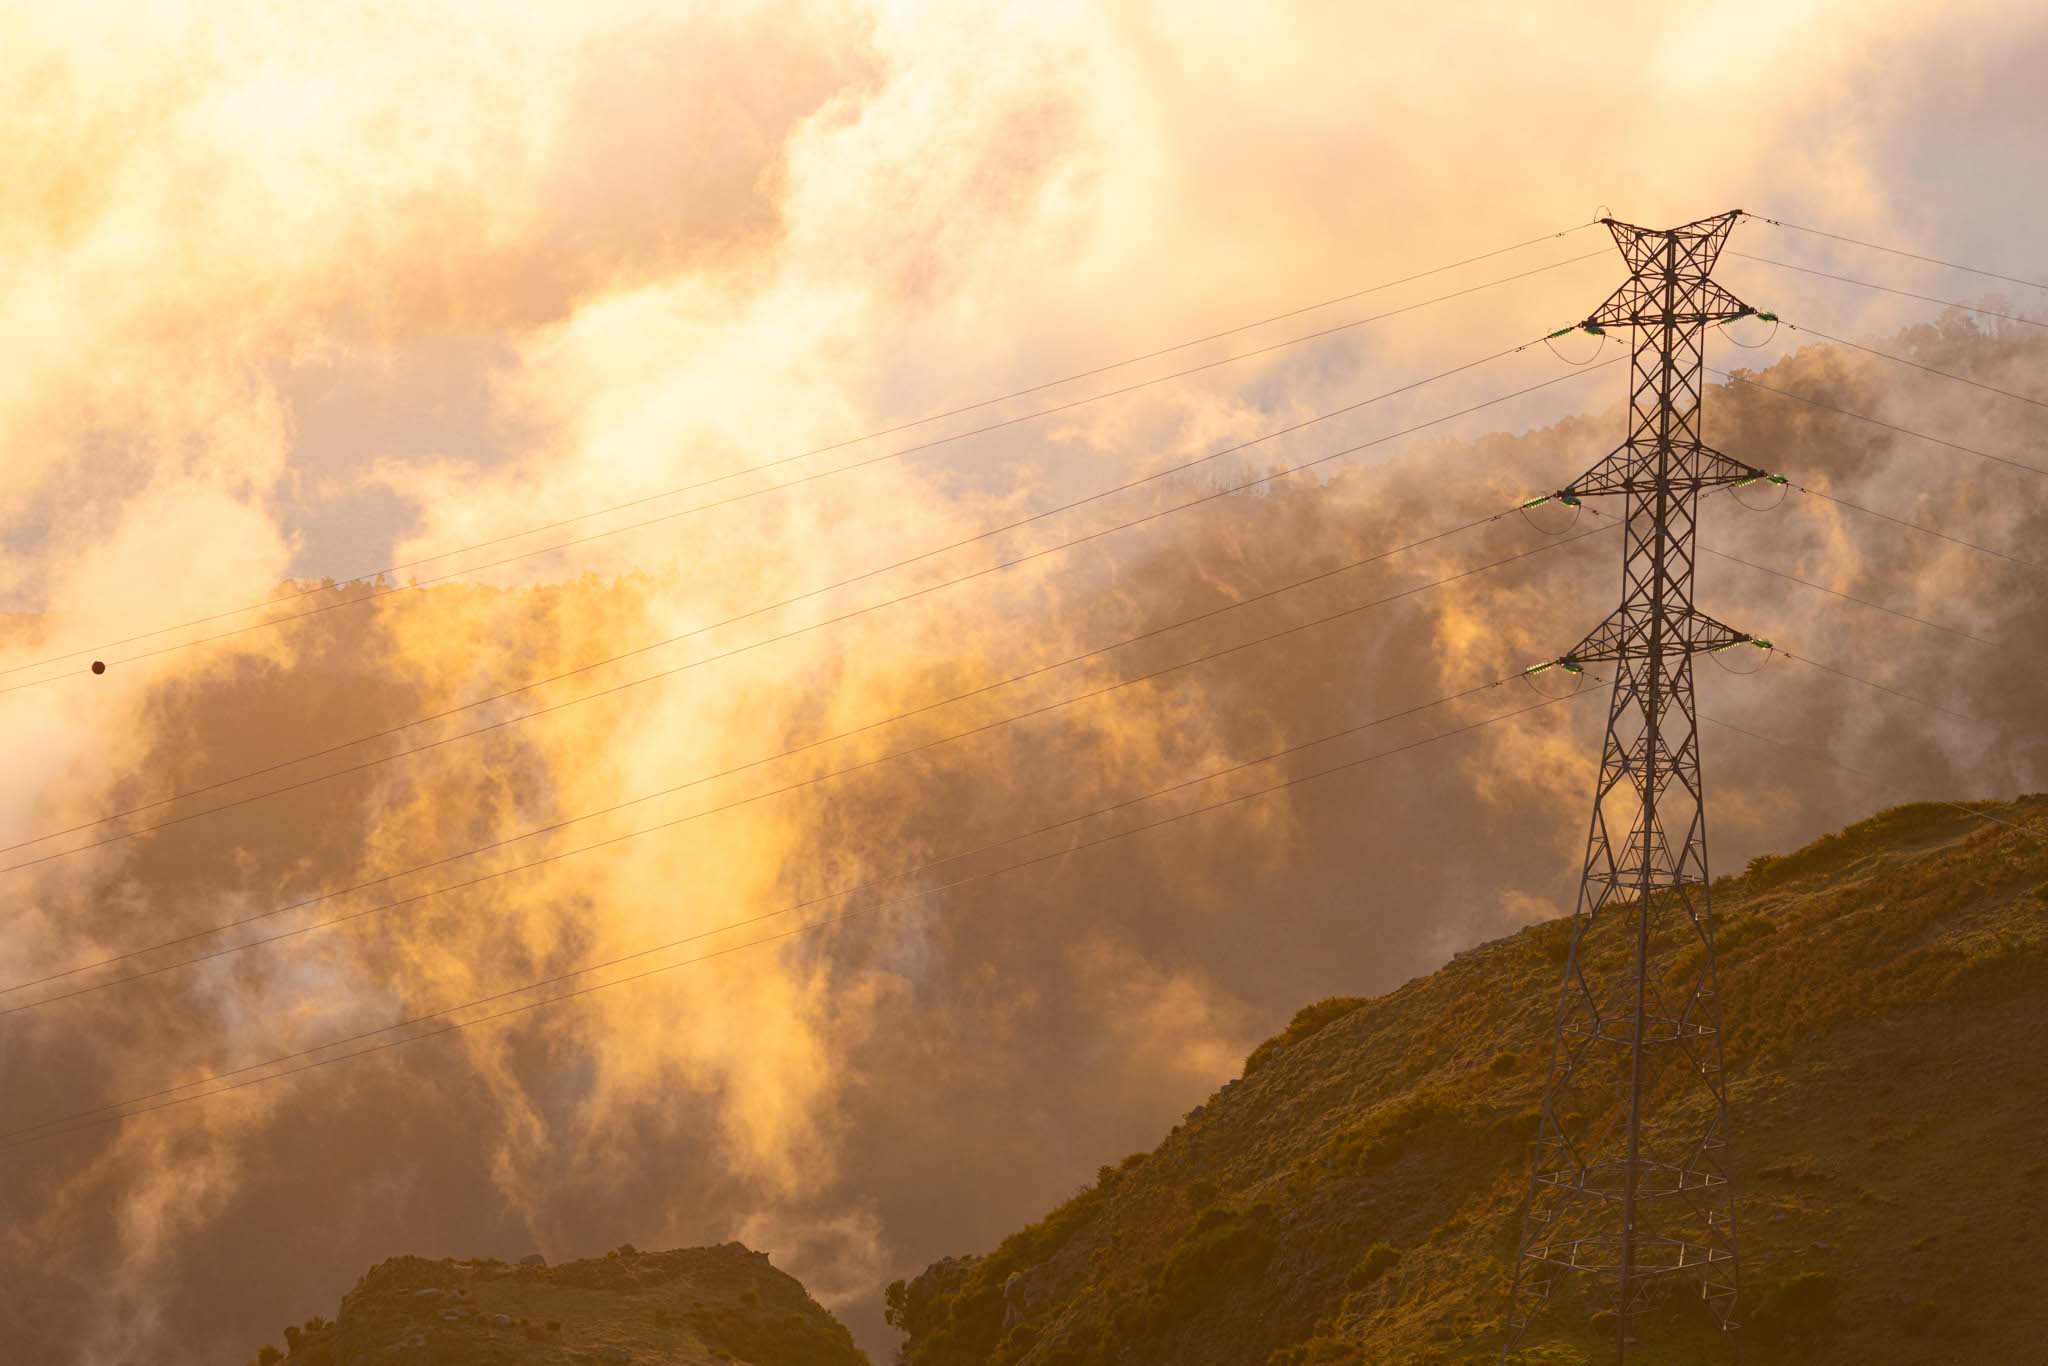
(1895, 251)
(1829, 759)
(937, 586)
(1849, 597)
(1725, 667)
(1887, 289)
(1839, 501)
(1777, 489)
(1902, 360)
(1904, 431)
(1722, 328)
(119, 1110)
(1829, 668)
(1884, 688)
(1833, 592)
(387, 591)
(798, 785)
(1877, 422)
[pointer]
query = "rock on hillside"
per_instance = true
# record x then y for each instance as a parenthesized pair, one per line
(693, 1306)
(1354, 1197)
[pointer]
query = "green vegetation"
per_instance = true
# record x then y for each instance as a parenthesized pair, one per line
(1223, 1249)
(1378, 1260)
(1883, 991)
(1731, 936)
(1307, 1022)
(1799, 1312)
(965, 1321)
(1381, 1138)
(695, 1306)
(791, 1336)
(1889, 829)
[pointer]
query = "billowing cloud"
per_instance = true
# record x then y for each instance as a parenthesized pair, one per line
(303, 295)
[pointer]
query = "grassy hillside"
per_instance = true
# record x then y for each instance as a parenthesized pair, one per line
(1353, 1198)
(692, 1306)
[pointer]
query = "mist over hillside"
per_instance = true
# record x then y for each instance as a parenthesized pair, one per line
(796, 624)
(909, 1082)
(1354, 1197)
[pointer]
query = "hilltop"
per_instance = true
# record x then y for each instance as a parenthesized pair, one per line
(1353, 1197)
(691, 1306)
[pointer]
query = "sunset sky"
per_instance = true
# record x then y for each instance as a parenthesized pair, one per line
(305, 292)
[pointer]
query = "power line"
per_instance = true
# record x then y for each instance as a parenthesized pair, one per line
(1885, 688)
(794, 750)
(102, 1114)
(1615, 1125)
(768, 640)
(836, 445)
(1826, 758)
(1904, 431)
(1895, 251)
(1901, 360)
(1834, 592)
(1887, 289)
(1849, 597)
(921, 747)
(1013, 525)
(772, 488)
(1923, 530)
(1878, 422)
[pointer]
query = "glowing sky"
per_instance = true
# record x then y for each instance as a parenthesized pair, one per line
(304, 291)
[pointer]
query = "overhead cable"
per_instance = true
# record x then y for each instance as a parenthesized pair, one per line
(384, 879)
(378, 593)
(1887, 289)
(1830, 760)
(1877, 422)
(1992, 551)
(1834, 592)
(939, 585)
(1903, 360)
(1850, 597)
(121, 1110)
(1813, 663)
(1896, 251)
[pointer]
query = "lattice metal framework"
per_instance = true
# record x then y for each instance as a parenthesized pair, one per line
(1630, 1190)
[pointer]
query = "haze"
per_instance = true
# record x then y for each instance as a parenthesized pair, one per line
(303, 293)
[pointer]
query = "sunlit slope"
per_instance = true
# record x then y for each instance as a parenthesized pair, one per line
(694, 1306)
(1353, 1198)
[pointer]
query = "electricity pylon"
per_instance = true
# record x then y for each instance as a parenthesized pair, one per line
(1629, 1191)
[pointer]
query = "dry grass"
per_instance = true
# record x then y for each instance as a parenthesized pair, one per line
(1353, 1199)
(714, 1306)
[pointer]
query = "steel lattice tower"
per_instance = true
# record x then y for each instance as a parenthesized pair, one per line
(1630, 1190)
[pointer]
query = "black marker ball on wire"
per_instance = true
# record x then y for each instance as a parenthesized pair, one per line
(99, 666)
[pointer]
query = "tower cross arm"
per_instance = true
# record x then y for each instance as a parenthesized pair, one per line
(1627, 635)
(1628, 1187)
(1695, 469)
(1644, 303)
(1669, 280)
